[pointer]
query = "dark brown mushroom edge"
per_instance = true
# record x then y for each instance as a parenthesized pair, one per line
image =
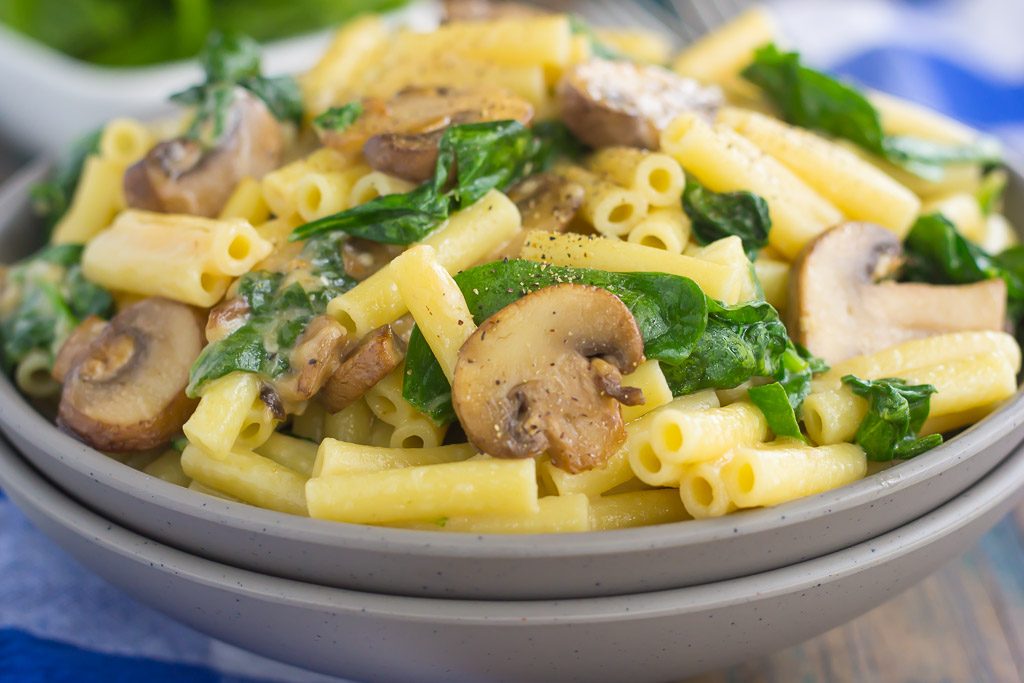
(376, 357)
(400, 136)
(182, 176)
(125, 390)
(843, 302)
(543, 375)
(546, 202)
(609, 103)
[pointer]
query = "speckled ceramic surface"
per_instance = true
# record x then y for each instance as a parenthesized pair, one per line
(654, 637)
(493, 567)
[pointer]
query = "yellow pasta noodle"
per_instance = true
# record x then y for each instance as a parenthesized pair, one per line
(480, 487)
(32, 375)
(666, 229)
(185, 258)
(636, 508)
(774, 278)
(555, 515)
(637, 45)
(353, 48)
(703, 492)
(963, 210)
(168, 468)
(125, 141)
(469, 236)
(249, 477)
(298, 455)
(999, 234)
(686, 437)
(587, 251)
(611, 209)
(725, 161)
(729, 252)
(643, 461)
(222, 412)
(772, 474)
(246, 203)
(858, 189)
(376, 184)
(97, 199)
(208, 491)
(353, 424)
(436, 304)
(339, 457)
(649, 378)
(657, 177)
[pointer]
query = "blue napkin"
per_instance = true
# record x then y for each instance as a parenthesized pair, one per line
(60, 623)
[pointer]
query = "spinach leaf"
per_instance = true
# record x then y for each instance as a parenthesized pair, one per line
(896, 412)
(990, 193)
(231, 60)
(48, 297)
(278, 313)
(814, 100)
(472, 160)
(717, 215)
(773, 401)
(580, 27)
(337, 119)
(669, 310)
(52, 197)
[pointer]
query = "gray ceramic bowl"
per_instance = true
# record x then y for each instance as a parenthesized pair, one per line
(494, 567)
(652, 637)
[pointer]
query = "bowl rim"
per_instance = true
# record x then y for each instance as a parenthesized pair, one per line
(18, 415)
(24, 483)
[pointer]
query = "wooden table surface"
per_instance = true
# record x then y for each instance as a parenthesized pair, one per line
(964, 624)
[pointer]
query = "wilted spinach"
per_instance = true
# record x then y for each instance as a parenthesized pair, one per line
(815, 100)
(279, 310)
(52, 197)
(718, 215)
(896, 412)
(337, 119)
(46, 297)
(669, 310)
(472, 160)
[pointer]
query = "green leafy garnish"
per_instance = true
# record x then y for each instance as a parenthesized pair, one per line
(51, 198)
(814, 100)
(773, 401)
(472, 160)
(279, 310)
(580, 27)
(781, 401)
(718, 215)
(337, 119)
(938, 253)
(896, 412)
(232, 60)
(46, 296)
(990, 193)
(670, 312)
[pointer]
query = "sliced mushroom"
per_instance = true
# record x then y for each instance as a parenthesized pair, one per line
(400, 136)
(486, 10)
(126, 392)
(546, 202)
(181, 176)
(543, 375)
(362, 258)
(840, 306)
(316, 356)
(608, 103)
(225, 318)
(77, 345)
(377, 355)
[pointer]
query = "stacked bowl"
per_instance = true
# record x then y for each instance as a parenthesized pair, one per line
(656, 603)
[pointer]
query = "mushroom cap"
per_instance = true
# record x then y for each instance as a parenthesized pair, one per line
(400, 136)
(376, 356)
(543, 375)
(180, 176)
(126, 392)
(840, 308)
(546, 201)
(610, 103)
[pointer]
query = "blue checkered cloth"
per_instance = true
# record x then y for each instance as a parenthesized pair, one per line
(60, 623)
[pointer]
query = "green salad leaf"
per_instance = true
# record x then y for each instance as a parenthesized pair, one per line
(817, 101)
(48, 296)
(52, 197)
(279, 310)
(773, 401)
(781, 400)
(896, 412)
(718, 215)
(337, 119)
(472, 160)
(669, 310)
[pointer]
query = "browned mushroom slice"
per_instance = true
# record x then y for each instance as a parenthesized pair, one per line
(316, 356)
(225, 318)
(543, 375)
(362, 258)
(77, 345)
(127, 391)
(840, 307)
(400, 136)
(180, 176)
(485, 10)
(374, 359)
(546, 202)
(608, 103)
